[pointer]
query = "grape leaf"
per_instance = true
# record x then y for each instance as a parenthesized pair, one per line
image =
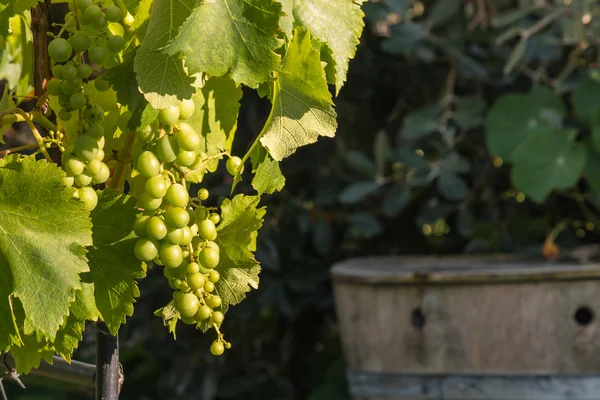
(170, 317)
(28, 355)
(267, 174)
(240, 222)
(10, 8)
(340, 37)
(113, 266)
(240, 40)
(302, 107)
(160, 76)
(41, 246)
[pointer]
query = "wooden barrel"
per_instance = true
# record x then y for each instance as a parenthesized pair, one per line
(459, 328)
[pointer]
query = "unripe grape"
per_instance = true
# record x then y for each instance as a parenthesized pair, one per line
(177, 195)
(101, 84)
(166, 149)
(73, 166)
(232, 165)
(177, 295)
(93, 166)
(64, 115)
(68, 181)
(53, 87)
(93, 12)
(77, 101)
(186, 109)
(156, 228)
(86, 147)
(84, 71)
(60, 50)
(208, 258)
(139, 226)
(115, 43)
(57, 71)
(195, 281)
(228, 345)
(185, 158)
(214, 302)
(213, 245)
(102, 176)
(100, 23)
(145, 134)
(148, 203)
(95, 130)
(207, 229)
(203, 313)
(68, 86)
(214, 276)
(83, 179)
(174, 236)
(209, 287)
(203, 194)
(217, 348)
(217, 316)
(193, 268)
(156, 187)
(101, 143)
(187, 138)
(215, 218)
(114, 14)
(201, 214)
(186, 237)
(169, 115)
(94, 112)
(97, 54)
(69, 71)
(171, 255)
(177, 217)
(80, 41)
(89, 197)
(145, 249)
(83, 4)
(148, 165)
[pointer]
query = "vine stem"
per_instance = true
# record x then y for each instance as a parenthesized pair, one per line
(36, 133)
(17, 149)
(117, 180)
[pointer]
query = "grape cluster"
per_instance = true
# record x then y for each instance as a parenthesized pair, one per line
(88, 35)
(174, 230)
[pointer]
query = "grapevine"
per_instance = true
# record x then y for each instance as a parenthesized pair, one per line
(142, 104)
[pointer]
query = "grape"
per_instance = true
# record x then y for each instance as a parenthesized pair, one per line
(209, 286)
(164, 149)
(200, 213)
(186, 158)
(203, 194)
(208, 258)
(232, 165)
(101, 84)
(146, 134)
(77, 101)
(74, 166)
(139, 226)
(187, 236)
(156, 228)
(86, 147)
(102, 176)
(215, 218)
(156, 187)
(84, 71)
(93, 166)
(203, 313)
(68, 181)
(94, 112)
(145, 249)
(97, 54)
(114, 14)
(214, 302)
(217, 348)
(100, 23)
(53, 87)
(101, 143)
(174, 236)
(213, 245)
(57, 71)
(69, 71)
(89, 197)
(195, 281)
(95, 130)
(68, 87)
(177, 195)
(193, 268)
(64, 115)
(217, 316)
(93, 12)
(80, 41)
(148, 165)
(177, 217)
(83, 179)
(187, 138)
(169, 115)
(83, 4)
(207, 229)
(171, 255)
(115, 43)
(148, 203)
(186, 108)
(214, 276)
(227, 345)
(60, 50)
(177, 295)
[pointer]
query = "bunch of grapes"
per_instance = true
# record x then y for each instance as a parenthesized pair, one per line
(176, 231)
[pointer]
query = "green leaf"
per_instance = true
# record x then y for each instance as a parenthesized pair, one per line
(240, 222)
(341, 36)
(160, 76)
(267, 174)
(302, 107)
(234, 37)
(422, 122)
(395, 199)
(42, 233)
(442, 12)
(586, 99)
(514, 117)
(113, 266)
(9, 9)
(546, 161)
(360, 163)
(452, 186)
(170, 316)
(355, 192)
(29, 354)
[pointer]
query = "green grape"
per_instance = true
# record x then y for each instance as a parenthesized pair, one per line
(217, 348)
(203, 313)
(97, 54)
(95, 113)
(188, 320)
(200, 214)
(69, 71)
(177, 295)
(146, 134)
(156, 229)
(89, 197)
(64, 115)
(177, 195)
(217, 317)
(145, 249)
(164, 149)
(115, 43)
(60, 50)
(228, 345)
(203, 194)
(171, 255)
(169, 115)
(84, 71)
(73, 166)
(83, 179)
(195, 281)
(101, 84)
(185, 158)
(232, 165)
(53, 87)
(177, 217)
(57, 71)
(215, 218)
(80, 41)
(102, 176)
(68, 87)
(213, 245)
(193, 268)
(192, 215)
(214, 276)
(187, 138)
(209, 287)
(186, 109)
(148, 203)
(208, 258)
(148, 165)
(186, 237)
(86, 147)
(100, 155)
(100, 23)
(114, 14)
(139, 226)
(68, 181)
(77, 101)
(83, 4)
(93, 166)
(101, 143)
(207, 229)
(95, 130)
(174, 236)
(156, 187)
(93, 12)
(214, 302)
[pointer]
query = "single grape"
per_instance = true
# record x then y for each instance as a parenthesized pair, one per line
(165, 149)
(83, 4)
(145, 249)
(207, 229)
(228, 345)
(60, 50)
(89, 197)
(115, 43)
(68, 86)
(194, 229)
(86, 147)
(187, 138)
(114, 14)
(208, 258)
(57, 71)
(177, 195)
(186, 109)
(69, 71)
(148, 203)
(156, 187)
(185, 158)
(73, 166)
(97, 54)
(232, 165)
(186, 237)
(177, 217)
(148, 165)
(209, 287)
(146, 134)
(83, 179)
(201, 214)
(217, 348)
(214, 246)
(215, 218)
(169, 115)
(95, 130)
(203, 313)
(84, 71)
(77, 101)
(101, 143)
(53, 87)
(193, 268)
(68, 181)
(203, 194)
(93, 12)
(195, 281)
(102, 176)
(174, 236)
(80, 41)
(95, 113)
(64, 115)
(156, 228)
(171, 255)
(100, 23)
(139, 226)
(214, 276)
(214, 302)
(101, 84)
(217, 316)
(187, 305)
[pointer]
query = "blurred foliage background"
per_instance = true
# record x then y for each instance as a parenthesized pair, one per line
(466, 126)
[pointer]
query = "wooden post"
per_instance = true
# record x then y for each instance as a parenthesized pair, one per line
(107, 364)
